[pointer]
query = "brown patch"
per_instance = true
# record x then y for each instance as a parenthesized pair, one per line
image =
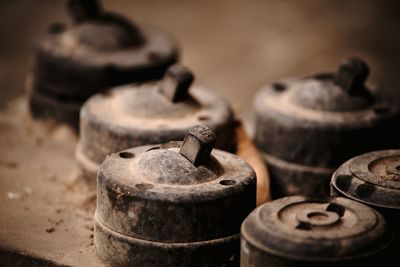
(8, 164)
(50, 230)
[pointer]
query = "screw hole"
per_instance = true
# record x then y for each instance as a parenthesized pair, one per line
(398, 168)
(126, 155)
(153, 148)
(279, 87)
(227, 182)
(381, 110)
(144, 187)
(203, 118)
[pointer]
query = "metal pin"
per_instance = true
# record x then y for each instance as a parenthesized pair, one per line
(176, 82)
(351, 75)
(198, 144)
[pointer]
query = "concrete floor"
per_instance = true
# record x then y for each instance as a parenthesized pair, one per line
(233, 47)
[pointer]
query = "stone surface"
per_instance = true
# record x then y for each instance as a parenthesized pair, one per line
(46, 214)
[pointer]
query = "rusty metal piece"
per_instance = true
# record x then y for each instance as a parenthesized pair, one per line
(351, 75)
(156, 208)
(307, 127)
(198, 144)
(176, 83)
(141, 114)
(300, 231)
(373, 179)
(100, 50)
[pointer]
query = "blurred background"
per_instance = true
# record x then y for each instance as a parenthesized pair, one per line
(233, 47)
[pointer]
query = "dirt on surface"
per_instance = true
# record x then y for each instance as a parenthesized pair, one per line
(46, 210)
